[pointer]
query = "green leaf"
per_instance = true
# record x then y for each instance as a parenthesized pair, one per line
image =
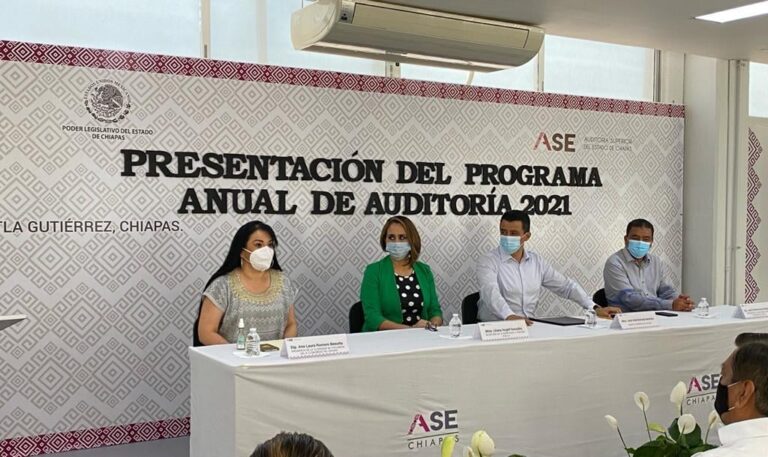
(657, 449)
(690, 440)
(693, 439)
(647, 451)
(702, 448)
(674, 433)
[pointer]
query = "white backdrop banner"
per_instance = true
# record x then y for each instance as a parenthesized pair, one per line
(126, 175)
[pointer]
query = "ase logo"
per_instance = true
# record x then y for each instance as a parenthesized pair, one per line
(558, 142)
(107, 101)
(430, 429)
(702, 389)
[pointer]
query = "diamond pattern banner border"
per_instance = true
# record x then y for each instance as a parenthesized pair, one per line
(206, 68)
(753, 217)
(85, 439)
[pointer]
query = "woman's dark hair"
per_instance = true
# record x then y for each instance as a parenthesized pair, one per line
(233, 261)
(292, 445)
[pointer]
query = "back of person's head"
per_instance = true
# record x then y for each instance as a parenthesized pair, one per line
(746, 338)
(750, 363)
(286, 444)
(640, 223)
(517, 215)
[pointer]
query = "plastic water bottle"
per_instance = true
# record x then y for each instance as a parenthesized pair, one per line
(703, 307)
(454, 327)
(240, 335)
(590, 318)
(252, 343)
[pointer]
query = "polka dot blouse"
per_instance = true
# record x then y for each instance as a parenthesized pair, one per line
(411, 299)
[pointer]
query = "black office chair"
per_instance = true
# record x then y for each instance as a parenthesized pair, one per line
(469, 308)
(356, 318)
(600, 299)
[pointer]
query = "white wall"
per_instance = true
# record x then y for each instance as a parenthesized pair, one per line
(715, 190)
(704, 190)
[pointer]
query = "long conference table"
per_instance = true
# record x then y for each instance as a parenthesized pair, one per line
(397, 393)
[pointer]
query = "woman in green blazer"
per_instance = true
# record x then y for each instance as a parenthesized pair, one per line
(398, 291)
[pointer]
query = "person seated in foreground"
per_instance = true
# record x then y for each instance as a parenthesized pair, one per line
(398, 291)
(636, 280)
(749, 337)
(511, 278)
(292, 445)
(742, 403)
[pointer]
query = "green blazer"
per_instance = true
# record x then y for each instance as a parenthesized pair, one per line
(380, 298)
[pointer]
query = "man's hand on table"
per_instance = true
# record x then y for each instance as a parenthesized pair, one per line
(514, 317)
(607, 312)
(682, 303)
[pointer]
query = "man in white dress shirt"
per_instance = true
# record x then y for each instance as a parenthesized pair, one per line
(511, 277)
(742, 402)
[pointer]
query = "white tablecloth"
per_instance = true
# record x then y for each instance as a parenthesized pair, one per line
(542, 397)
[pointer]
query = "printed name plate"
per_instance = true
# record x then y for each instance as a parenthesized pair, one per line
(315, 346)
(502, 330)
(629, 321)
(752, 311)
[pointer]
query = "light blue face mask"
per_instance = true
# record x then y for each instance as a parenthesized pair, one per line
(398, 250)
(638, 249)
(510, 244)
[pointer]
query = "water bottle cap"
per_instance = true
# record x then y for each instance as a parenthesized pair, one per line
(455, 314)
(241, 323)
(252, 330)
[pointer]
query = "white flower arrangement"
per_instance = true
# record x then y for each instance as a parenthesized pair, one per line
(681, 439)
(481, 445)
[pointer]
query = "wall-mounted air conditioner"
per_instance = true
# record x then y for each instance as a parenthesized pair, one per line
(385, 31)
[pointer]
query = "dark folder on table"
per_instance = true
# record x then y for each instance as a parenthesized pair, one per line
(562, 320)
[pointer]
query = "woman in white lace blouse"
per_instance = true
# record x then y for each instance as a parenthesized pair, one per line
(249, 285)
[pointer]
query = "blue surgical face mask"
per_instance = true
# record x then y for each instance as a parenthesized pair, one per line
(398, 250)
(510, 244)
(638, 249)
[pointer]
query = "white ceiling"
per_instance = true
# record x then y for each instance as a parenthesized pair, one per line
(658, 24)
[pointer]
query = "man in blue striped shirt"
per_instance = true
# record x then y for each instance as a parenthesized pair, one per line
(636, 280)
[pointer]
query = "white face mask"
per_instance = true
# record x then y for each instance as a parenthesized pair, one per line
(261, 259)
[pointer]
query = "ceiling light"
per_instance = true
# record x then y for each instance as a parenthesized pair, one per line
(735, 14)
